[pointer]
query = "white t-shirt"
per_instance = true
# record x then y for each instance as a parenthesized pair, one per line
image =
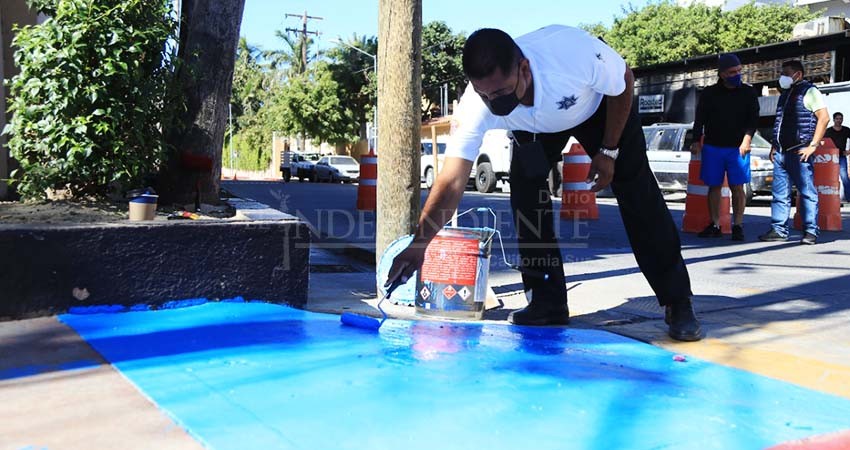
(571, 72)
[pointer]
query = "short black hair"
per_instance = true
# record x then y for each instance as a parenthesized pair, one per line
(837, 114)
(794, 64)
(489, 49)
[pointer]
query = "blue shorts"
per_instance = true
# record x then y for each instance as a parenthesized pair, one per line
(719, 161)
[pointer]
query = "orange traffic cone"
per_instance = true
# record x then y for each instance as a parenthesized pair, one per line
(367, 189)
(825, 166)
(577, 200)
(697, 216)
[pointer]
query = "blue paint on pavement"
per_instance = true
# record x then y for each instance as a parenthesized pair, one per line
(253, 375)
(36, 369)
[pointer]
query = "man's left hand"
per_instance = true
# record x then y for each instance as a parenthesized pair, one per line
(744, 149)
(806, 152)
(601, 171)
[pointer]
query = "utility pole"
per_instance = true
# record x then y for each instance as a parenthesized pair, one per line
(399, 104)
(304, 33)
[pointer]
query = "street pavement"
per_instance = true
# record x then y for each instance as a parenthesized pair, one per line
(778, 309)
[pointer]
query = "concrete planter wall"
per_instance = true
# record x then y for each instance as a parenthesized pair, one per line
(46, 269)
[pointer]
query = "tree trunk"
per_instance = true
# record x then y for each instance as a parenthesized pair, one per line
(209, 33)
(399, 119)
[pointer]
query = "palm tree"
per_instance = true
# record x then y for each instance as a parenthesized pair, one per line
(291, 57)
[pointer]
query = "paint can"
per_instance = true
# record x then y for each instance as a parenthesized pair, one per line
(452, 282)
(143, 207)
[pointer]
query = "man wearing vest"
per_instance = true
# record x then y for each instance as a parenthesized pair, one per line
(547, 86)
(801, 121)
(727, 116)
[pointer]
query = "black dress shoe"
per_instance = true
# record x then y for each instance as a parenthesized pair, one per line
(737, 233)
(683, 322)
(540, 315)
(711, 231)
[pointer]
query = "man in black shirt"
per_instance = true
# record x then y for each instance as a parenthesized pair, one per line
(839, 135)
(727, 116)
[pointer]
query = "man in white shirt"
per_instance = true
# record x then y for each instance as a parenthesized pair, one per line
(548, 85)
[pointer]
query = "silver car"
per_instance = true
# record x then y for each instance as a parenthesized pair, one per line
(335, 169)
(668, 150)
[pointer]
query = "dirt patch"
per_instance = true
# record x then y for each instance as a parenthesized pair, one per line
(65, 211)
(62, 212)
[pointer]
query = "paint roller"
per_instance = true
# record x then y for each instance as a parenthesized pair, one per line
(366, 322)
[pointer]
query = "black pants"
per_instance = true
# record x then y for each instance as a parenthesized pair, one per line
(652, 233)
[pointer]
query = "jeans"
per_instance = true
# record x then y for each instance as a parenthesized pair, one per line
(787, 169)
(845, 180)
(653, 235)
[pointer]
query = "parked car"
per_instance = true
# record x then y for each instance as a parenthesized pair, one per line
(491, 165)
(668, 149)
(426, 166)
(335, 169)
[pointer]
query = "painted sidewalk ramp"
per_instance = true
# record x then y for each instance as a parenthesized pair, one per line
(255, 375)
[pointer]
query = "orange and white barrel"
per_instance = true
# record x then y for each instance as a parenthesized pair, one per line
(577, 200)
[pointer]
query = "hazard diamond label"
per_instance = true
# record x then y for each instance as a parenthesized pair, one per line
(425, 293)
(449, 291)
(464, 292)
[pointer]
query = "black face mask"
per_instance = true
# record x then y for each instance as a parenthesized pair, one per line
(504, 104)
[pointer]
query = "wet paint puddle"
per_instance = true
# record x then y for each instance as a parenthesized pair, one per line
(256, 375)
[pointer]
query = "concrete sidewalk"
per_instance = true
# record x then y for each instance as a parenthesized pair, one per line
(780, 310)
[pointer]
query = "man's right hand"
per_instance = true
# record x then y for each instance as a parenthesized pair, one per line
(407, 262)
(696, 148)
(772, 152)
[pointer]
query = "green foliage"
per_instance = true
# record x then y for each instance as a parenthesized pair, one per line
(331, 99)
(663, 31)
(596, 29)
(250, 82)
(310, 104)
(442, 51)
(95, 95)
(751, 25)
(251, 94)
(290, 59)
(354, 73)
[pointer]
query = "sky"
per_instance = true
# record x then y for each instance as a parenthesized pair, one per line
(345, 17)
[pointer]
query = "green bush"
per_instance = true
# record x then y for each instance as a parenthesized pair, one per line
(95, 97)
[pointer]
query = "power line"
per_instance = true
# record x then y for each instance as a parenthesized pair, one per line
(304, 33)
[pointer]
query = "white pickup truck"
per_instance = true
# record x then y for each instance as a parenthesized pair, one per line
(492, 164)
(300, 165)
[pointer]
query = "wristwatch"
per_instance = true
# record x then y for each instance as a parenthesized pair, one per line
(610, 152)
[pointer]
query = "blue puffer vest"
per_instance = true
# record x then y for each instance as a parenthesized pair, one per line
(794, 124)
